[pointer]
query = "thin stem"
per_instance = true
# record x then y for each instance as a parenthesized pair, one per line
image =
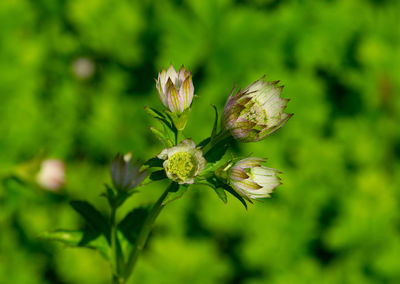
(219, 138)
(178, 136)
(145, 231)
(114, 257)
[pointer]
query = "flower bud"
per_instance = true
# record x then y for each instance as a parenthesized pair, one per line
(257, 111)
(51, 175)
(175, 89)
(252, 180)
(183, 162)
(124, 175)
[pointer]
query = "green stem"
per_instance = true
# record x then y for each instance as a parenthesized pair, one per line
(178, 136)
(114, 259)
(219, 138)
(145, 231)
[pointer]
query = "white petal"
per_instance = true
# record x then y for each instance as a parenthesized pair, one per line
(171, 73)
(250, 162)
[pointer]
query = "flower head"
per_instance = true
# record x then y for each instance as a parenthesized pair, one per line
(124, 175)
(257, 111)
(252, 180)
(183, 162)
(51, 174)
(175, 89)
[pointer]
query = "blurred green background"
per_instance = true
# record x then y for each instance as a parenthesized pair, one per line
(75, 76)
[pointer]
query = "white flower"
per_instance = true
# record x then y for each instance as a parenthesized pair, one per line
(51, 174)
(175, 89)
(83, 68)
(183, 162)
(257, 111)
(252, 180)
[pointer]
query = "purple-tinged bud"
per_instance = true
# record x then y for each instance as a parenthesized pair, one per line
(252, 180)
(255, 112)
(175, 89)
(124, 175)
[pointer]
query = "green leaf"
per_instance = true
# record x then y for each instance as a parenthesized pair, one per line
(162, 137)
(154, 162)
(164, 119)
(170, 130)
(158, 175)
(80, 238)
(221, 194)
(237, 195)
(131, 225)
(154, 113)
(204, 142)
(212, 167)
(216, 186)
(96, 221)
(214, 130)
(109, 194)
(217, 152)
(175, 193)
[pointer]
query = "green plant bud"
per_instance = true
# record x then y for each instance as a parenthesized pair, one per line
(124, 175)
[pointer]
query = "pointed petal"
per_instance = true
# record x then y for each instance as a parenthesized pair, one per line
(188, 143)
(163, 155)
(268, 130)
(237, 174)
(255, 86)
(246, 185)
(187, 91)
(241, 128)
(175, 103)
(171, 73)
(250, 162)
(182, 74)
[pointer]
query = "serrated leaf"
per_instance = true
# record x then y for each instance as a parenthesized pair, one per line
(154, 113)
(162, 137)
(96, 221)
(163, 118)
(80, 238)
(158, 175)
(175, 193)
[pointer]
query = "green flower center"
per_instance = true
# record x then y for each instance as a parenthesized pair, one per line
(256, 113)
(182, 165)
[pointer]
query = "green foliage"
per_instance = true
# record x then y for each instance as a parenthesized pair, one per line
(335, 218)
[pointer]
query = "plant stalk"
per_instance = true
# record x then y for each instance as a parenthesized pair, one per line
(144, 233)
(221, 137)
(115, 250)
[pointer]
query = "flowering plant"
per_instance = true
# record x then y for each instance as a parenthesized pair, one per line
(249, 115)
